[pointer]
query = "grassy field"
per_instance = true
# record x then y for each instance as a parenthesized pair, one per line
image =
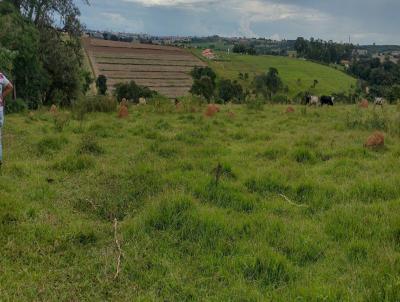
(291, 70)
(301, 212)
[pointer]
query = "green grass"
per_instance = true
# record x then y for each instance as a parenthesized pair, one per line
(290, 69)
(184, 238)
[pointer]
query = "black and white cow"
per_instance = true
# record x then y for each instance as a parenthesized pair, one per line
(327, 100)
(312, 100)
(379, 102)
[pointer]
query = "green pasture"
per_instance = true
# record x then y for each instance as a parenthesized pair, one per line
(247, 205)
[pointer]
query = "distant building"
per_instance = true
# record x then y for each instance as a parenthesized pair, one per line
(360, 52)
(345, 63)
(209, 54)
(387, 57)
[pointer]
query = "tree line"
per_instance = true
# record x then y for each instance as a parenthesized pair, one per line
(323, 51)
(267, 85)
(40, 50)
(382, 78)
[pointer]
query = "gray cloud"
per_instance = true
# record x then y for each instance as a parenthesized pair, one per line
(366, 21)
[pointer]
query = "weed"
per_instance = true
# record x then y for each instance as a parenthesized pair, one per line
(89, 145)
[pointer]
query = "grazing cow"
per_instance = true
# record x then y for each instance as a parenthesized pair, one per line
(327, 100)
(312, 100)
(142, 101)
(379, 102)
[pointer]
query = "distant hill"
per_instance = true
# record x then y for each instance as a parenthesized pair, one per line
(298, 74)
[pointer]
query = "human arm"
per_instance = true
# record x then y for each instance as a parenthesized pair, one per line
(7, 90)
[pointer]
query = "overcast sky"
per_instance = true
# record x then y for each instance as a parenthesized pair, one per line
(365, 21)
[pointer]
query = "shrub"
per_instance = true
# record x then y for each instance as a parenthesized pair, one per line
(280, 99)
(303, 155)
(89, 145)
(271, 270)
(256, 104)
(160, 104)
(49, 145)
(203, 87)
(94, 104)
(101, 84)
(16, 106)
(61, 120)
(230, 91)
(132, 92)
(191, 103)
(75, 163)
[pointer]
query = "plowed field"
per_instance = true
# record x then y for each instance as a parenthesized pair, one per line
(161, 68)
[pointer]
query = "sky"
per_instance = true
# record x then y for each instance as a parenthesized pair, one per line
(363, 21)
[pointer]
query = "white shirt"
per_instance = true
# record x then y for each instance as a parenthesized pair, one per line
(3, 84)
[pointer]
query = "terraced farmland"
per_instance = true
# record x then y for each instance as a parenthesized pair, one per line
(161, 68)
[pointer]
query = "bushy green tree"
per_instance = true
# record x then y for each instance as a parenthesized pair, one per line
(131, 91)
(198, 72)
(230, 91)
(269, 83)
(203, 87)
(203, 82)
(101, 84)
(87, 80)
(48, 64)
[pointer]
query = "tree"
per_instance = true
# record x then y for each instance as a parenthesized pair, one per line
(87, 80)
(228, 90)
(198, 72)
(48, 64)
(268, 84)
(131, 91)
(101, 84)
(301, 46)
(203, 87)
(273, 81)
(203, 82)
(239, 48)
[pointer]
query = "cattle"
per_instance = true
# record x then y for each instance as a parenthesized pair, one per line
(312, 100)
(142, 101)
(327, 100)
(379, 102)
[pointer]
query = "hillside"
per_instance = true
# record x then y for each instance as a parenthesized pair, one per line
(290, 69)
(161, 68)
(302, 211)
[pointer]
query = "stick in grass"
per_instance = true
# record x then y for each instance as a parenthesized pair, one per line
(291, 202)
(119, 249)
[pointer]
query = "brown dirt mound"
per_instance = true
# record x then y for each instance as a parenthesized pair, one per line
(289, 110)
(212, 109)
(124, 102)
(364, 104)
(377, 139)
(123, 111)
(53, 109)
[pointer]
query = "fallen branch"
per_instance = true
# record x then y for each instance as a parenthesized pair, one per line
(291, 202)
(119, 249)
